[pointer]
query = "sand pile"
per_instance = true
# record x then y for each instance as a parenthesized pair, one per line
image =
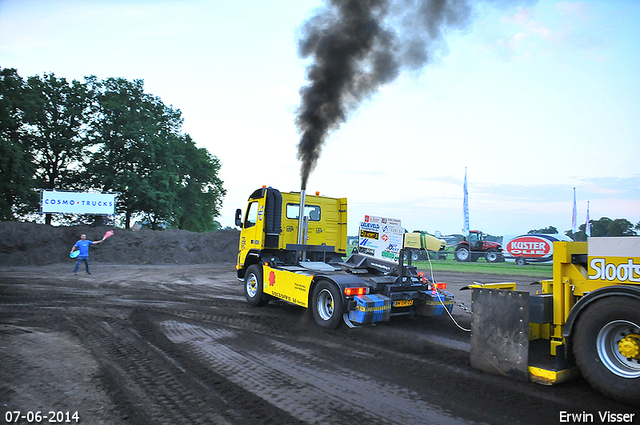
(30, 244)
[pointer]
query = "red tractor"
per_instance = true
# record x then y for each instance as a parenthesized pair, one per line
(476, 246)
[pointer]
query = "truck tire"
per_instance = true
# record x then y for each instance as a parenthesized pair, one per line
(598, 332)
(492, 256)
(326, 305)
(521, 261)
(462, 254)
(253, 286)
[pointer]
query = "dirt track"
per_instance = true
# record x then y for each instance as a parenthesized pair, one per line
(172, 344)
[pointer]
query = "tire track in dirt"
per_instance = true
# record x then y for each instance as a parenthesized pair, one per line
(145, 385)
(306, 386)
(241, 406)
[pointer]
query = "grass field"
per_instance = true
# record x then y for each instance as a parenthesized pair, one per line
(542, 271)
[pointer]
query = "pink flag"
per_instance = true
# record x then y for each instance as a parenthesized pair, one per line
(106, 235)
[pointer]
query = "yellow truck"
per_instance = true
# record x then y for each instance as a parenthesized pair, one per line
(584, 320)
(293, 247)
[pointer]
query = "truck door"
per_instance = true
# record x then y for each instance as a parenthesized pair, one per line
(252, 227)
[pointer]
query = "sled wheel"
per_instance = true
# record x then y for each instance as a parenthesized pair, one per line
(253, 286)
(326, 305)
(607, 347)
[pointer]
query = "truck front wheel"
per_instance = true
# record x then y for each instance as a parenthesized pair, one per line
(326, 305)
(253, 286)
(607, 347)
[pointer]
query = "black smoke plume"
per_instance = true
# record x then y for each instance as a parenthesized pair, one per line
(356, 46)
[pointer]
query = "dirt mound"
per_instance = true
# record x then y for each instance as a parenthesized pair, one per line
(30, 244)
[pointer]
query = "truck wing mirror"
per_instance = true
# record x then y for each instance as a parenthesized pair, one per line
(239, 217)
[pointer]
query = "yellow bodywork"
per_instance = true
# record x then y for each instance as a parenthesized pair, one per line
(608, 264)
(551, 377)
(511, 286)
(327, 224)
(286, 285)
(609, 261)
(421, 240)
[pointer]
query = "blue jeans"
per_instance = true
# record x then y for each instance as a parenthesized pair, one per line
(78, 261)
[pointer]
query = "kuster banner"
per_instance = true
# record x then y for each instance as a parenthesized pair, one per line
(52, 201)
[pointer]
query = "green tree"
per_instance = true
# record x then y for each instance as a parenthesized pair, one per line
(17, 186)
(621, 227)
(200, 190)
(546, 231)
(604, 227)
(158, 172)
(56, 118)
(105, 135)
(130, 153)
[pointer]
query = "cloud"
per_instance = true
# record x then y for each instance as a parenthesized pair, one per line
(576, 10)
(534, 30)
(521, 17)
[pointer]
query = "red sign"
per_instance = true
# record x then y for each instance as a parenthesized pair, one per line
(530, 247)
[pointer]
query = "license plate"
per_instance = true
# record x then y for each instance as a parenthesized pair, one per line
(402, 303)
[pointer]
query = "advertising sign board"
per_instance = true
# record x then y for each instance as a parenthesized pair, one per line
(531, 247)
(614, 259)
(52, 201)
(380, 237)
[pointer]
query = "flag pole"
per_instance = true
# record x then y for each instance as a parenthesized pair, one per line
(587, 226)
(465, 206)
(574, 218)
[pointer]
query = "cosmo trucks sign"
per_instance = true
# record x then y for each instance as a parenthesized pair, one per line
(52, 201)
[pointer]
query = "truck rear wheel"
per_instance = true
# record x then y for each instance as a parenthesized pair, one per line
(606, 347)
(253, 286)
(326, 305)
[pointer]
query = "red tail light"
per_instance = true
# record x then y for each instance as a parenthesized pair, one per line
(355, 291)
(440, 285)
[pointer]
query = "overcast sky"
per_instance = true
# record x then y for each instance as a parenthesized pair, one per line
(534, 98)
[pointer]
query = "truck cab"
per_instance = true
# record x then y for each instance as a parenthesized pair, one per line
(270, 228)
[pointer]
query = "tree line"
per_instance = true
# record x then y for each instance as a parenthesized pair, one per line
(102, 135)
(601, 227)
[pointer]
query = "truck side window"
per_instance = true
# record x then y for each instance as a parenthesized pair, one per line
(252, 215)
(311, 211)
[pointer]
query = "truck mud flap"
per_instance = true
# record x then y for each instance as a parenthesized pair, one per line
(500, 332)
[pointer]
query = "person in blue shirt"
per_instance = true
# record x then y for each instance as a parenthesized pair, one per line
(83, 247)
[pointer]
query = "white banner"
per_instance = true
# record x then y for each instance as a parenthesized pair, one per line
(52, 201)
